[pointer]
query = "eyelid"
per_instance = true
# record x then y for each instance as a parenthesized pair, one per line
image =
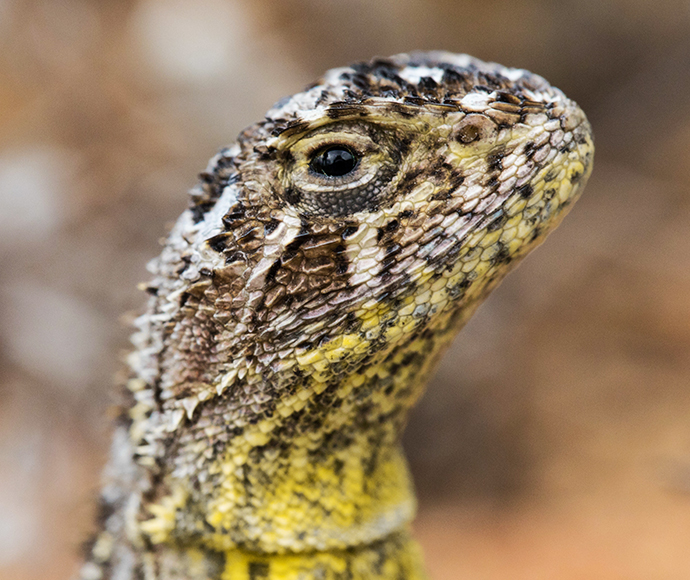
(357, 142)
(315, 149)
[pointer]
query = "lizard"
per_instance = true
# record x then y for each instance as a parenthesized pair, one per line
(301, 302)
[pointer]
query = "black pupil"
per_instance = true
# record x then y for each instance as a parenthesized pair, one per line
(334, 162)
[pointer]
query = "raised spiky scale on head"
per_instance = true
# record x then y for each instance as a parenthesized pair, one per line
(300, 303)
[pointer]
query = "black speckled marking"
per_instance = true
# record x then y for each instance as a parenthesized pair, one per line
(292, 196)
(218, 243)
(529, 150)
(216, 565)
(341, 261)
(273, 270)
(211, 185)
(236, 213)
(536, 232)
(504, 97)
(340, 109)
(271, 226)
(200, 209)
(258, 570)
(497, 221)
(349, 231)
(291, 249)
(390, 228)
(550, 176)
(502, 256)
(428, 84)
(138, 573)
(409, 181)
(495, 160)
(526, 191)
(235, 257)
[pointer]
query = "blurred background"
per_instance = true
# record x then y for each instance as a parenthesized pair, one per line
(555, 440)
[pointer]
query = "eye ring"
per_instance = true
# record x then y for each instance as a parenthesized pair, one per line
(334, 161)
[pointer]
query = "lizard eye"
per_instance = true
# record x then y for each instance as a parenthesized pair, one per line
(340, 169)
(335, 161)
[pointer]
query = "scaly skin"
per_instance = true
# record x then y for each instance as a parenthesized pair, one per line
(295, 318)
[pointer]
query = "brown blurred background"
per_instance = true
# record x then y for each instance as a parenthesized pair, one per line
(555, 441)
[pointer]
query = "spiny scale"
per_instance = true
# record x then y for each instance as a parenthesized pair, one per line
(295, 317)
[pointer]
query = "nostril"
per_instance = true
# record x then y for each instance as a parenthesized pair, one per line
(474, 127)
(467, 134)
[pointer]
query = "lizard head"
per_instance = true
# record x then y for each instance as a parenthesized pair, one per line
(330, 254)
(370, 206)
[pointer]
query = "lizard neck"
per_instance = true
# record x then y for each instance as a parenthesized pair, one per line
(324, 471)
(315, 493)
